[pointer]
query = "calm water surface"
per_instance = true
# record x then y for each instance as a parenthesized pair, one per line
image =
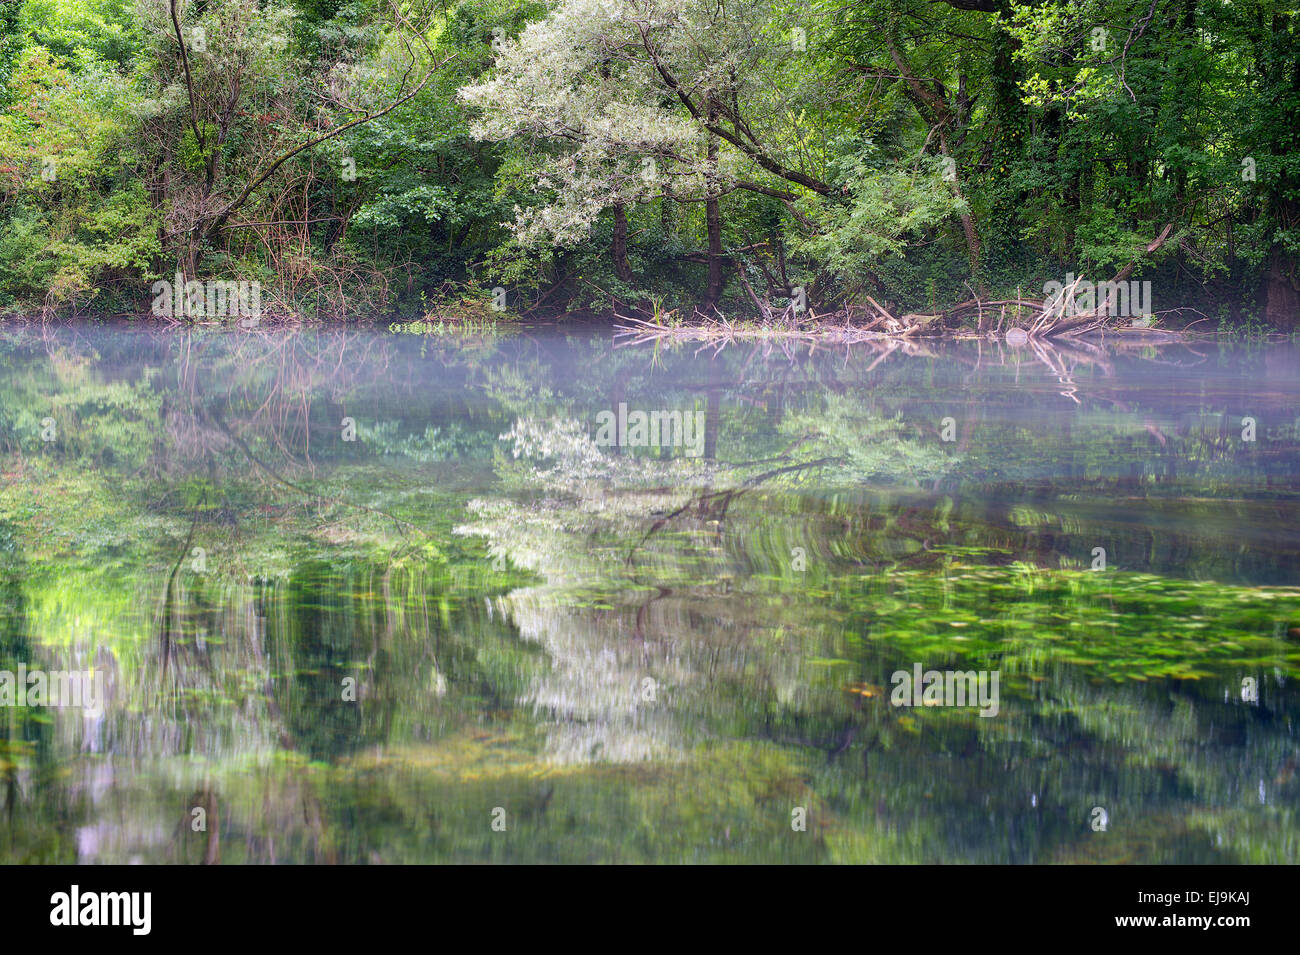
(359, 597)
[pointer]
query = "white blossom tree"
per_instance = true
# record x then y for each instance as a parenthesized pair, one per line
(626, 101)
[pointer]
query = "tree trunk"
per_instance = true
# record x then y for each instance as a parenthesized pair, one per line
(967, 226)
(1282, 304)
(713, 220)
(618, 248)
(932, 105)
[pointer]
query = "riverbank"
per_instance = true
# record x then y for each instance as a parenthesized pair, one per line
(1013, 321)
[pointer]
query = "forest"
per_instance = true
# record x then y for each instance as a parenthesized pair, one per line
(753, 158)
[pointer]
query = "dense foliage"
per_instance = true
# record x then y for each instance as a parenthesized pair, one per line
(355, 155)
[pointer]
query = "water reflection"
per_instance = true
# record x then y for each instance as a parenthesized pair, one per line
(354, 593)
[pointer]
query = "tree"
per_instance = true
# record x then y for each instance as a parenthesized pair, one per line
(628, 101)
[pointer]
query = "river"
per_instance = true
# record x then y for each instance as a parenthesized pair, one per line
(537, 595)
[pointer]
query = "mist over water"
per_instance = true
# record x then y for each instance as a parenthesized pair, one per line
(349, 594)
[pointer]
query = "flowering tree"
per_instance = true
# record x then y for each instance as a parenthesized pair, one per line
(626, 101)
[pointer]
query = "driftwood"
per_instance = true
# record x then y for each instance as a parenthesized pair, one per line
(1020, 318)
(1051, 318)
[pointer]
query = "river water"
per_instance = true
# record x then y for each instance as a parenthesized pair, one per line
(360, 597)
